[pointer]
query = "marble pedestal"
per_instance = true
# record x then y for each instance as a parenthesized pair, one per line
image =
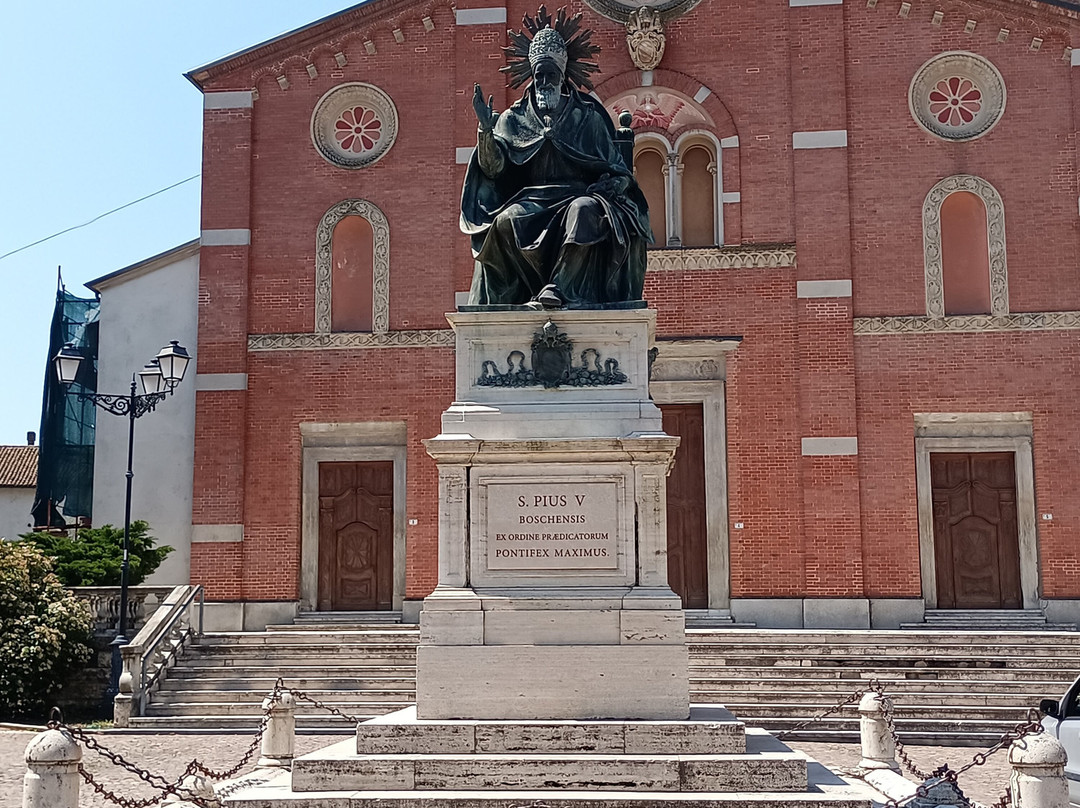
(552, 599)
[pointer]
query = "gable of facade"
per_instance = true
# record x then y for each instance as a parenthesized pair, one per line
(867, 219)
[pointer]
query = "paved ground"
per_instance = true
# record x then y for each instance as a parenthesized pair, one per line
(167, 755)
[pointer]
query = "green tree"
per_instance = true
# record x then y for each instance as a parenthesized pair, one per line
(44, 630)
(94, 555)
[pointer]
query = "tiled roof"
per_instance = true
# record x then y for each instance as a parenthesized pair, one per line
(18, 466)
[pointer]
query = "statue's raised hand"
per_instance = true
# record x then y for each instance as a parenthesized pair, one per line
(485, 111)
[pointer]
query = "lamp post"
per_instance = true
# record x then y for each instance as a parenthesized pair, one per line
(158, 378)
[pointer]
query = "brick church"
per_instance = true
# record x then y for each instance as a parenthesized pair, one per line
(866, 227)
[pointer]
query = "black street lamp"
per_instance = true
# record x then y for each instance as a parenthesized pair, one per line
(159, 378)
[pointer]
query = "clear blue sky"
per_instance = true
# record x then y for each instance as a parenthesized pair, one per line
(94, 113)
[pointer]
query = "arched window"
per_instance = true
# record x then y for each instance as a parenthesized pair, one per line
(351, 275)
(965, 255)
(649, 171)
(698, 183)
(964, 248)
(352, 269)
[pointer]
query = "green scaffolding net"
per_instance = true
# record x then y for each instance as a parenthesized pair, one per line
(65, 487)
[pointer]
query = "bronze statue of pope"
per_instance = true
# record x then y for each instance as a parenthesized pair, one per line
(555, 215)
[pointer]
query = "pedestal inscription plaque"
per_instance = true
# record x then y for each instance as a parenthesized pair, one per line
(552, 526)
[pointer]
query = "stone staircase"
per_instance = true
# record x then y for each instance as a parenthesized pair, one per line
(987, 620)
(948, 687)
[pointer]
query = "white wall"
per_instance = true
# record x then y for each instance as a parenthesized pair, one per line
(15, 505)
(141, 310)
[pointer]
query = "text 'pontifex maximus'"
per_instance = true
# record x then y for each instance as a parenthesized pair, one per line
(539, 526)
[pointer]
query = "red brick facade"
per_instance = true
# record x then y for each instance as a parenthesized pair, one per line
(810, 525)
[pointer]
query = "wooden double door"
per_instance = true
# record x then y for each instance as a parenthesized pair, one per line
(687, 531)
(356, 536)
(976, 545)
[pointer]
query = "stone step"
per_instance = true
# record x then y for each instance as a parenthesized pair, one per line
(289, 657)
(864, 637)
(754, 712)
(359, 670)
(900, 698)
(911, 730)
(892, 686)
(338, 768)
(255, 696)
(312, 635)
(352, 617)
(882, 650)
(313, 724)
(344, 647)
(973, 626)
(264, 684)
(866, 673)
(360, 710)
(710, 730)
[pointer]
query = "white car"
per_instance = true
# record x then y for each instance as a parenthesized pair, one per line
(1062, 720)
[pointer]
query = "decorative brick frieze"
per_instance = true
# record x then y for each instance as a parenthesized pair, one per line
(320, 342)
(969, 323)
(780, 255)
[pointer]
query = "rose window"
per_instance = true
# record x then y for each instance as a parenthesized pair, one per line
(358, 129)
(957, 96)
(955, 101)
(354, 125)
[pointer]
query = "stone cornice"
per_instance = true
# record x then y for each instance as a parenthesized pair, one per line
(968, 324)
(440, 338)
(751, 256)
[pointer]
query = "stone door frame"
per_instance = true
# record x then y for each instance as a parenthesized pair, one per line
(693, 371)
(978, 432)
(348, 443)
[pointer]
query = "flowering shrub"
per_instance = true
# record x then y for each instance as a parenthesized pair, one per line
(44, 630)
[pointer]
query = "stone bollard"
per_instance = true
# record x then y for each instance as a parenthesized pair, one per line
(1038, 776)
(52, 771)
(280, 736)
(122, 701)
(878, 746)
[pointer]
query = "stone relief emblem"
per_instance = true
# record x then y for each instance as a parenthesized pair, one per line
(552, 365)
(645, 38)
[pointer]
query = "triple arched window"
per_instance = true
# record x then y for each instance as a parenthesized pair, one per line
(964, 248)
(683, 185)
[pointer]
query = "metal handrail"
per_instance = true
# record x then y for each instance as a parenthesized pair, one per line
(170, 625)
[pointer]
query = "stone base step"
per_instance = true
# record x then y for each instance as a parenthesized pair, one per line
(754, 712)
(768, 652)
(710, 729)
(766, 771)
(275, 795)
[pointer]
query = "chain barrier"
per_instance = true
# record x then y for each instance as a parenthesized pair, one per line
(847, 702)
(161, 785)
(1030, 726)
(302, 696)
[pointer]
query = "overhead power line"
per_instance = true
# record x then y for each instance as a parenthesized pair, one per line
(99, 217)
